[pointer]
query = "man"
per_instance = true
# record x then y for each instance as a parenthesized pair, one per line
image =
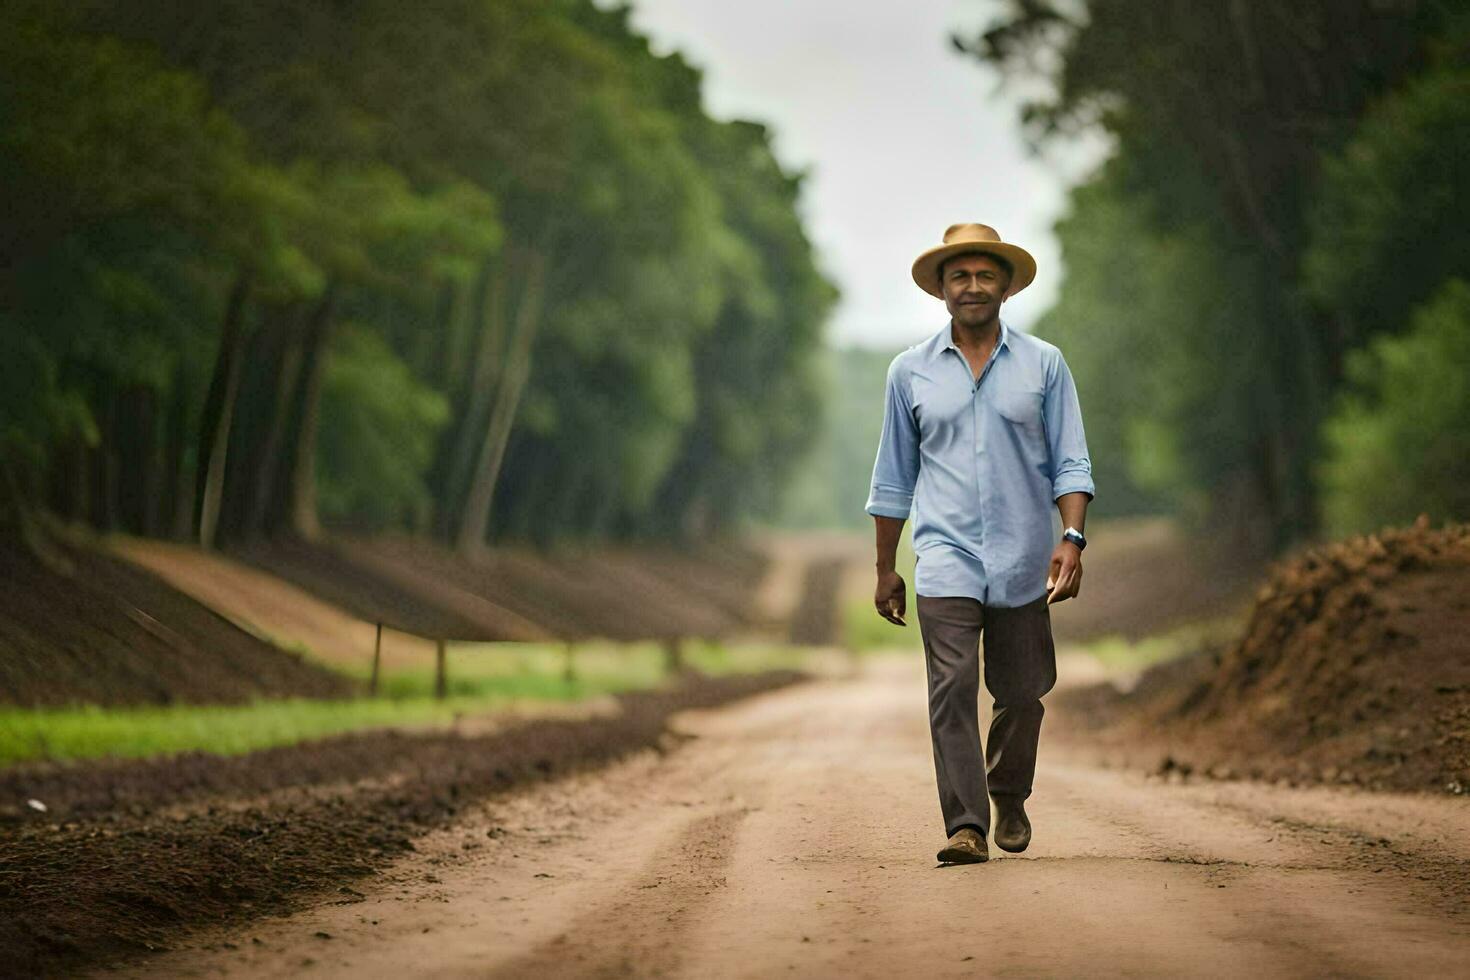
(981, 433)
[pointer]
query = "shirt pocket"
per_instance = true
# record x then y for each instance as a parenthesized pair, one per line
(1021, 406)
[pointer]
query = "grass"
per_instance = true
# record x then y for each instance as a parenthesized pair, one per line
(1119, 654)
(482, 678)
(94, 732)
(864, 630)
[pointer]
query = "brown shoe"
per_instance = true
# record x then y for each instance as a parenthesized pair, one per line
(1012, 828)
(966, 846)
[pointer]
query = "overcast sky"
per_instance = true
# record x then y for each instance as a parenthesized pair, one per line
(901, 137)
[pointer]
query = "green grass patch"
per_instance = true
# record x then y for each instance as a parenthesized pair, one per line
(1118, 653)
(863, 629)
(481, 678)
(718, 660)
(93, 732)
(532, 670)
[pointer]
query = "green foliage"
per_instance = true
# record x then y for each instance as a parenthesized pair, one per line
(1157, 329)
(379, 426)
(95, 127)
(1397, 442)
(273, 258)
(1389, 224)
(830, 486)
(35, 409)
(702, 392)
(1217, 271)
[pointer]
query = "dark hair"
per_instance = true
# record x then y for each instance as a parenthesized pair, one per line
(999, 260)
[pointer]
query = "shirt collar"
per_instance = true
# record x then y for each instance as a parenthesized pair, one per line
(946, 337)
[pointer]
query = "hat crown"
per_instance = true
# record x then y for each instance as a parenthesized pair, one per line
(970, 231)
(972, 236)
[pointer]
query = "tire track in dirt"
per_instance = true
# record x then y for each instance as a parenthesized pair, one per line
(676, 885)
(1273, 873)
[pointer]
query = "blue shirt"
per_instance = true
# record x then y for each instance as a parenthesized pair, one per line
(980, 463)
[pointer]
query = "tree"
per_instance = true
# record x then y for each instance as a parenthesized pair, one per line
(257, 237)
(1397, 445)
(1391, 211)
(1219, 115)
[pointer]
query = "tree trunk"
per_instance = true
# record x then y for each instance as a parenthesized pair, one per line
(475, 516)
(444, 329)
(109, 468)
(462, 310)
(300, 509)
(264, 493)
(219, 412)
(76, 479)
(138, 448)
(469, 428)
(156, 478)
(176, 460)
(1249, 53)
(1237, 164)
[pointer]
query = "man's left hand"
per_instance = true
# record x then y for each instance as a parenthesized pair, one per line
(1064, 580)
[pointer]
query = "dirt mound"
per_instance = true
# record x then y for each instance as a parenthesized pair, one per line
(132, 855)
(1354, 668)
(111, 633)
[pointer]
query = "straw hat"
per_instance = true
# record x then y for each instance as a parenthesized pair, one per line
(970, 238)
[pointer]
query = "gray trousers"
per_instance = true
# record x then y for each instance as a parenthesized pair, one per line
(1020, 666)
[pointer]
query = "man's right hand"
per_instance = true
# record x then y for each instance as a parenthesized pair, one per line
(890, 597)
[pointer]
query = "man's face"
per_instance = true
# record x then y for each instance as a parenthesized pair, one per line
(974, 287)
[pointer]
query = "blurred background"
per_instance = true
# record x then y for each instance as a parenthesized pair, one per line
(374, 365)
(491, 272)
(369, 299)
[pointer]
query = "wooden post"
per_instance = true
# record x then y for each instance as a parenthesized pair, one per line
(674, 654)
(441, 682)
(569, 668)
(377, 662)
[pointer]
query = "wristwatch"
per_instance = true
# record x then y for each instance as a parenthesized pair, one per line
(1075, 536)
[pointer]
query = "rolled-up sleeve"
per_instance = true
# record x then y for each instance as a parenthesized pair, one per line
(896, 469)
(1071, 467)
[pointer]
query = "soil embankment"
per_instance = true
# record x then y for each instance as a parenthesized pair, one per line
(1354, 668)
(111, 633)
(509, 594)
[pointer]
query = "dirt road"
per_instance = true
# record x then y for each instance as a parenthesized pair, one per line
(794, 835)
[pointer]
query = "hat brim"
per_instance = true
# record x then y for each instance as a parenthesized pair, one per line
(926, 266)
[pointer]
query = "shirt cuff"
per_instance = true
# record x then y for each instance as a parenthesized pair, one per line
(1072, 483)
(883, 502)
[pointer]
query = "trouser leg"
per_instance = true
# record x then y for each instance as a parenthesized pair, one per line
(951, 630)
(1020, 666)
